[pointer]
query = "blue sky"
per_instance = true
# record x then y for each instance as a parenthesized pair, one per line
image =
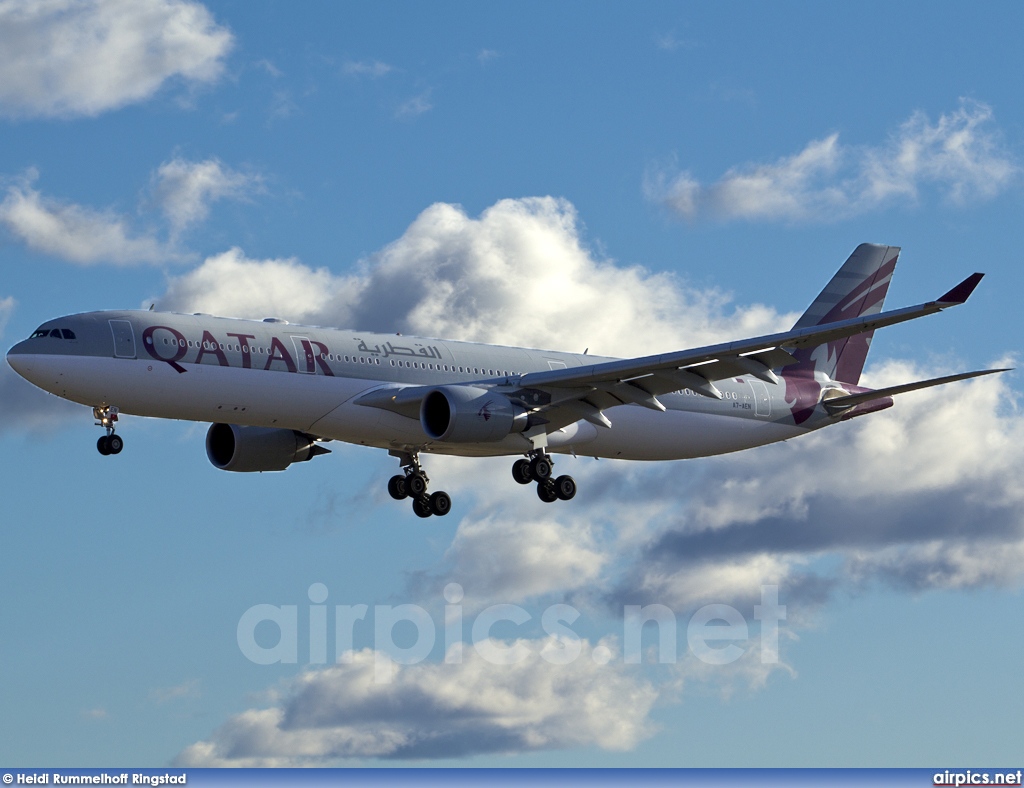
(572, 175)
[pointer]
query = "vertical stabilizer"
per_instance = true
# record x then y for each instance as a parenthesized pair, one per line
(857, 289)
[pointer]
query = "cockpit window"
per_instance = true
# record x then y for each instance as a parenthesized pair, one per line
(59, 333)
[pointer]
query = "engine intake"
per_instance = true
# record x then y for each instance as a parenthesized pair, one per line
(252, 449)
(468, 414)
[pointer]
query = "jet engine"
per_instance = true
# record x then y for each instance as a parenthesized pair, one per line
(468, 414)
(249, 449)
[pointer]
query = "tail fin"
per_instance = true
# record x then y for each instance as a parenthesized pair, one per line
(857, 289)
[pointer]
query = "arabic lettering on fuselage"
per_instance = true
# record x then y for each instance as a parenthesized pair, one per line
(391, 349)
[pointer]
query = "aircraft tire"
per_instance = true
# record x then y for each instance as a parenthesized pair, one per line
(541, 468)
(397, 488)
(103, 445)
(440, 503)
(115, 443)
(521, 471)
(565, 488)
(415, 484)
(546, 492)
(421, 506)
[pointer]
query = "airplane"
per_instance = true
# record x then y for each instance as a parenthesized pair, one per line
(276, 392)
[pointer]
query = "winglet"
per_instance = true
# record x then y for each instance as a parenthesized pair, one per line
(962, 291)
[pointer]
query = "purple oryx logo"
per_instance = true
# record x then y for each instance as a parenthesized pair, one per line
(485, 411)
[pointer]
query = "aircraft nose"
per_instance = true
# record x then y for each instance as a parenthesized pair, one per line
(16, 358)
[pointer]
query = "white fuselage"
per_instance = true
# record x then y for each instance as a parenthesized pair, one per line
(307, 379)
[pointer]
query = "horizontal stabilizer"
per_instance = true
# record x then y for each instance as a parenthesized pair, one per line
(837, 404)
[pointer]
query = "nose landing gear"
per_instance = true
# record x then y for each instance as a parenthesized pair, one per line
(110, 443)
(539, 467)
(414, 485)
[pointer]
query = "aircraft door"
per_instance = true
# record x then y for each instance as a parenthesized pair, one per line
(124, 338)
(304, 355)
(762, 399)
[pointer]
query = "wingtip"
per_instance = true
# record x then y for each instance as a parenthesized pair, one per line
(962, 291)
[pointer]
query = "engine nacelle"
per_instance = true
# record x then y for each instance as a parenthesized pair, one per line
(467, 414)
(250, 449)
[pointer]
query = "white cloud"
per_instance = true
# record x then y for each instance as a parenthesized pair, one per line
(924, 495)
(64, 58)
(724, 581)
(75, 233)
(509, 558)
(441, 710)
(182, 189)
(6, 310)
(185, 189)
(415, 106)
(960, 156)
(519, 274)
(366, 68)
(187, 689)
(233, 285)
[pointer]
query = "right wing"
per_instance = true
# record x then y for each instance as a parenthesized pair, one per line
(838, 404)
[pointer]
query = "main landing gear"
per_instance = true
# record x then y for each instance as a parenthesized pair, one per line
(539, 467)
(109, 443)
(414, 485)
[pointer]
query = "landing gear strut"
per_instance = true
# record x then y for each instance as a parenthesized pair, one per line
(109, 443)
(414, 485)
(539, 467)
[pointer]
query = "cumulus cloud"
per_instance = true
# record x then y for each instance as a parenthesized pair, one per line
(504, 556)
(960, 156)
(439, 710)
(487, 279)
(60, 58)
(232, 284)
(184, 189)
(75, 233)
(888, 496)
